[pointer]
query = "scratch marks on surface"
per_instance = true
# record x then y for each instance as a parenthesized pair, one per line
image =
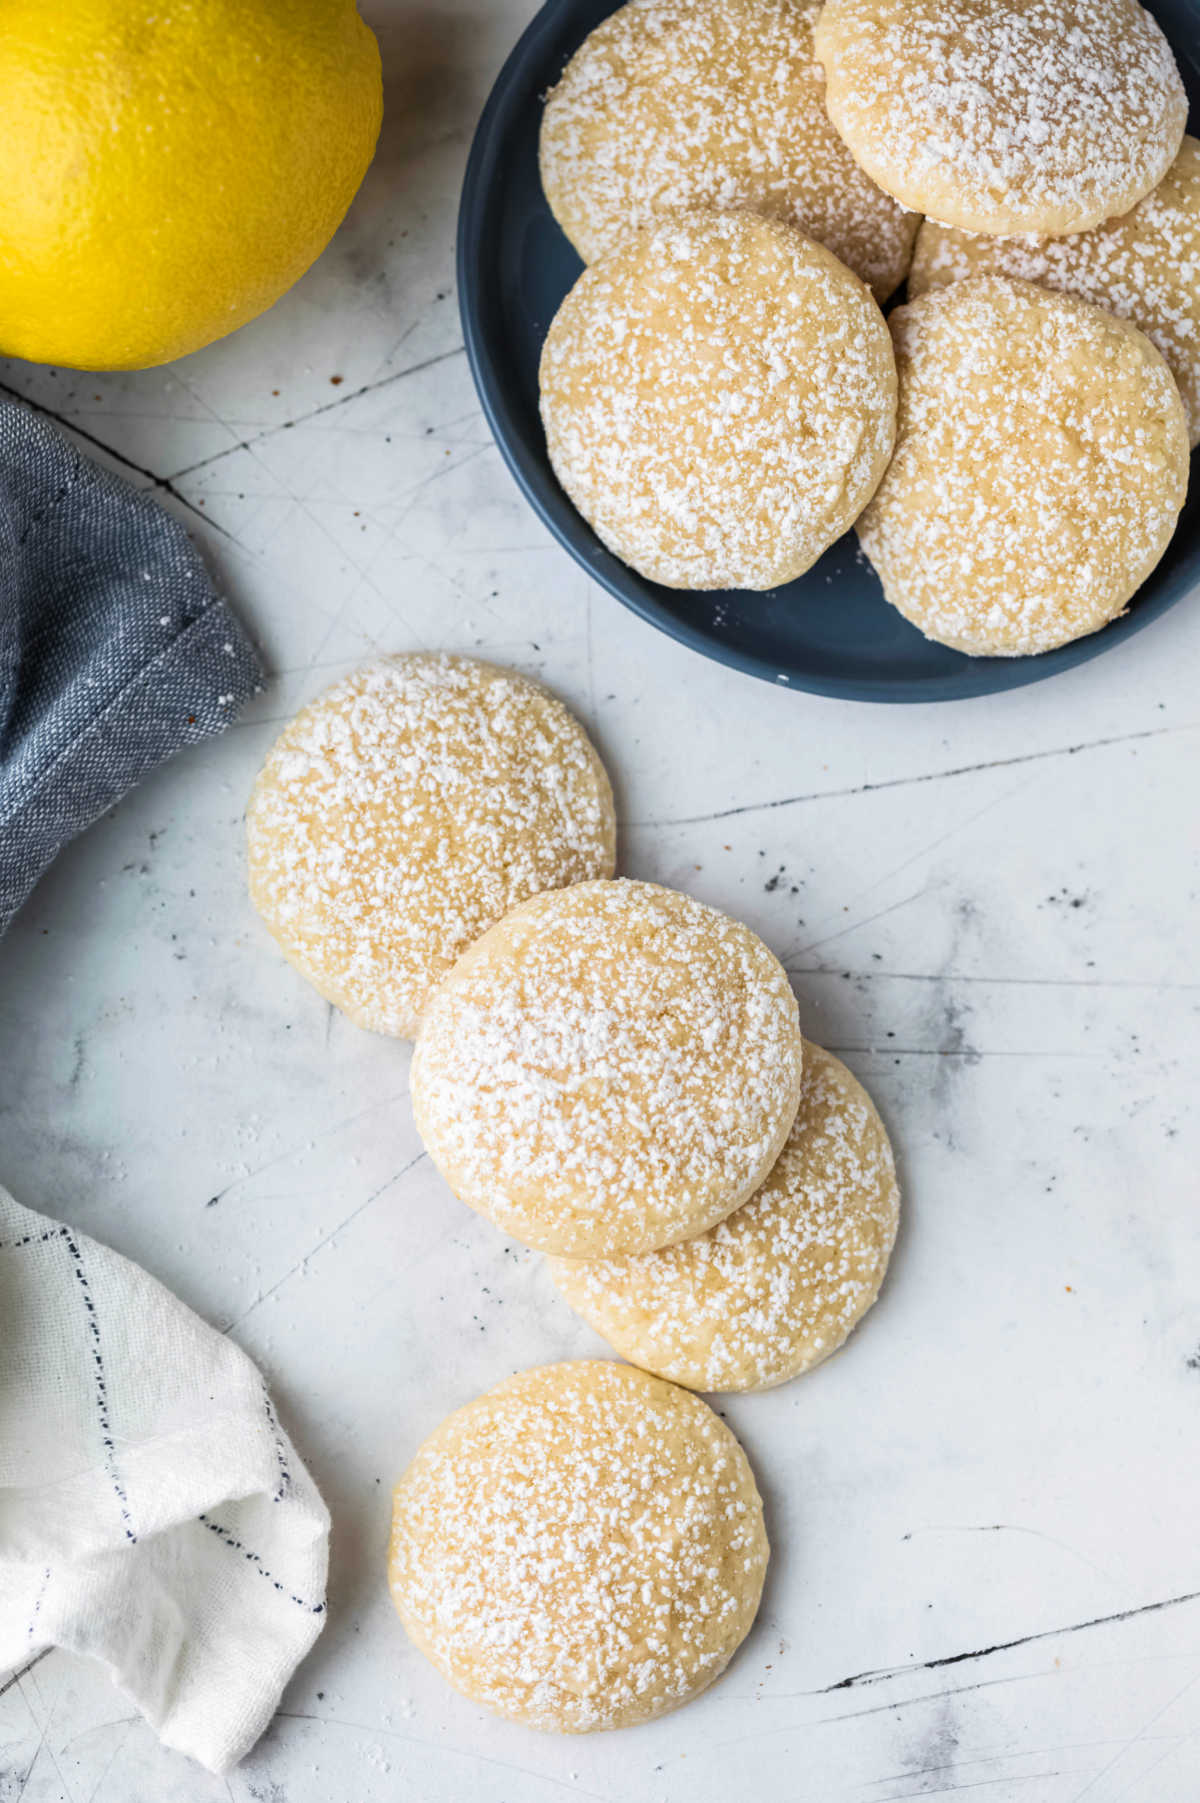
(292, 1151)
(855, 926)
(11, 1682)
(956, 832)
(1004, 1527)
(43, 1728)
(428, 1746)
(905, 782)
(361, 1208)
(972, 1054)
(165, 483)
(883, 1675)
(130, 1722)
(1134, 1740)
(302, 419)
(944, 1790)
(932, 976)
(960, 1765)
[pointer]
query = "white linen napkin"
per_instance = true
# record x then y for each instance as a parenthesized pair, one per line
(153, 1514)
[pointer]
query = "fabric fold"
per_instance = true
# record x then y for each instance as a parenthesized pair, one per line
(115, 648)
(154, 1514)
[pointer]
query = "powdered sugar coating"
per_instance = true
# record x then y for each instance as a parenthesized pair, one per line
(405, 811)
(776, 1287)
(1041, 463)
(719, 400)
(675, 104)
(1004, 115)
(1144, 266)
(580, 1548)
(613, 1067)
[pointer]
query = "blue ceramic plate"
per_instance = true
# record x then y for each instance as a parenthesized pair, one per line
(831, 631)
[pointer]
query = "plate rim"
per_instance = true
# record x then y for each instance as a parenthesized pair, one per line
(979, 676)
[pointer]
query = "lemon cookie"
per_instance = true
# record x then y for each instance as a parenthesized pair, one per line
(776, 1287)
(1041, 463)
(719, 400)
(582, 1547)
(1004, 115)
(613, 1067)
(1144, 266)
(675, 104)
(405, 811)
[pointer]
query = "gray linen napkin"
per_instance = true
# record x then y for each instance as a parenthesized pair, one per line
(115, 649)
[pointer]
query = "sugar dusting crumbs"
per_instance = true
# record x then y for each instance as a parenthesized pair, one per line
(617, 1066)
(580, 1548)
(1040, 466)
(670, 105)
(1144, 266)
(718, 400)
(1070, 110)
(778, 1286)
(408, 809)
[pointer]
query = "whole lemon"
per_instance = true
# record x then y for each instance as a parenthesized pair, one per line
(169, 167)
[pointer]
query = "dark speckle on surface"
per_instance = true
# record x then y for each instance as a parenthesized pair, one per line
(780, 880)
(1063, 898)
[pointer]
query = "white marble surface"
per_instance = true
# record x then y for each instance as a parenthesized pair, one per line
(989, 909)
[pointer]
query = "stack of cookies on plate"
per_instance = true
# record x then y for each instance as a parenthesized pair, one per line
(750, 181)
(614, 1073)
